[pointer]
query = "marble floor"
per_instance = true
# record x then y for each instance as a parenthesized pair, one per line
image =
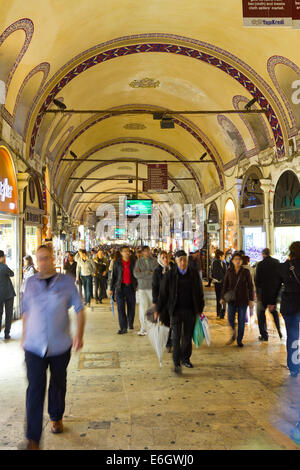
(119, 398)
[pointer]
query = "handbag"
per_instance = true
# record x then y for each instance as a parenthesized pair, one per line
(230, 295)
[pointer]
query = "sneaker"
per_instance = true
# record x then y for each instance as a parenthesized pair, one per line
(142, 333)
(187, 364)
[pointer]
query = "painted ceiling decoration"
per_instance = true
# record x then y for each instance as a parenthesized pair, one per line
(182, 62)
(163, 48)
(145, 83)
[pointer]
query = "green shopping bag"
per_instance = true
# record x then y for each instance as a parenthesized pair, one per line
(198, 334)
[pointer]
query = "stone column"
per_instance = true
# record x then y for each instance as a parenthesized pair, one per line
(268, 188)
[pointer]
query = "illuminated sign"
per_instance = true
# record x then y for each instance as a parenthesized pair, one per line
(8, 183)
(5, 190)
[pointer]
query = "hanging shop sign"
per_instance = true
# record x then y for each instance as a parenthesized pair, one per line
(252, 216)
(8, 184)
(213, 227)
(157, 176)
(296, 14)
(269, 13)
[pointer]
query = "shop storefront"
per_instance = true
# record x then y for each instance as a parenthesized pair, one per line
(213, 230)
(33, 218)
(9, 221)
(252, 217)
(286, 214)
(230, 234)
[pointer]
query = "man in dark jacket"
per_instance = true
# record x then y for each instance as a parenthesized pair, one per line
(267, 281)
(218, 271)
(180, 300)
(7, 294)
(124, 283)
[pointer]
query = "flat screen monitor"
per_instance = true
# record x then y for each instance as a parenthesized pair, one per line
(136, 207)
(120, 232)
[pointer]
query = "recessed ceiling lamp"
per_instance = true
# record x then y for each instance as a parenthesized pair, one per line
(59, 104)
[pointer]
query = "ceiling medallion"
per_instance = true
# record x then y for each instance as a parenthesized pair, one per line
(129, 149)
(145, 83)
(135, 126)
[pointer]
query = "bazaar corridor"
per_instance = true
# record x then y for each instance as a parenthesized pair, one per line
(119, 398)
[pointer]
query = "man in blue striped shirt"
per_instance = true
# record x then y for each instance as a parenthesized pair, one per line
(47, 342)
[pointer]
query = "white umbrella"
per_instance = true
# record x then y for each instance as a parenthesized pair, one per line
(158, 335)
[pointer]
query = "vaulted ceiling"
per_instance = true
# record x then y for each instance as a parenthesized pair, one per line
(134, 55)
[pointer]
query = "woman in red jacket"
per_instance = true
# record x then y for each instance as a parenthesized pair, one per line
(238, 291)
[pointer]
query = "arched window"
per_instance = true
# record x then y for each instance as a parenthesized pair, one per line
(287, 200)
(252, 194)
(213, 214)
(287, 193)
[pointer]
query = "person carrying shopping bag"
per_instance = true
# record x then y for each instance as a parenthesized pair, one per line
(180, 300)
(143, 272)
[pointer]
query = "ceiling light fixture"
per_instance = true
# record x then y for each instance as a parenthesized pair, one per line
(59, 104)
(251, 103)
(167, 123)
(73, 154)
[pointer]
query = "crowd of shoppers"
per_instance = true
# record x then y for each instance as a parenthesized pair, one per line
(170, 284)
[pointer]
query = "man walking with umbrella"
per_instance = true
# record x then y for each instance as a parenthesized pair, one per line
(180, 300)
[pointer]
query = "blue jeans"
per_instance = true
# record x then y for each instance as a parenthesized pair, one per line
(87, 282)
(292, 341)
(241, 310)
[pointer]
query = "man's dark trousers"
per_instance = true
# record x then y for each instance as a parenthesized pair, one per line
(182, 324)
(262, 322)
(126, 294)
(9, 303)
(219, 308)
(35, 394)
(100, 286)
